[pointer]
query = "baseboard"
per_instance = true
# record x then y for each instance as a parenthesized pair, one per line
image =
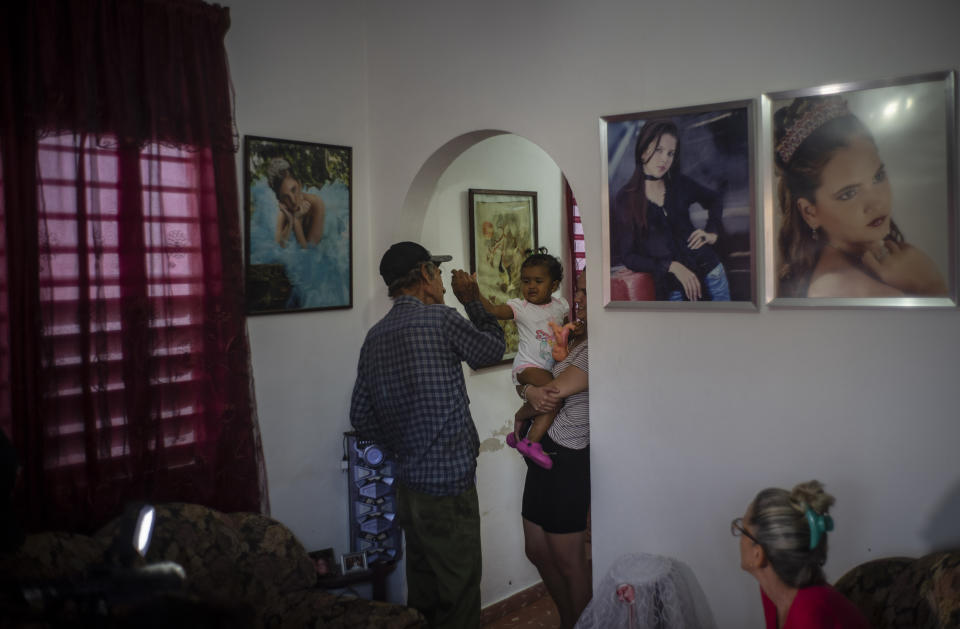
(511, 604)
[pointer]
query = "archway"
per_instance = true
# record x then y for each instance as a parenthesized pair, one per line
(437, 202)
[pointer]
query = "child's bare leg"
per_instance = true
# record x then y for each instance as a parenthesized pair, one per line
(541, 423)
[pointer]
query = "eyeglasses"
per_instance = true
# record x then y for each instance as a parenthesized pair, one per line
(736, 529)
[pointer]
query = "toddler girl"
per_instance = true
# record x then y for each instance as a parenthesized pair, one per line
(540, 276)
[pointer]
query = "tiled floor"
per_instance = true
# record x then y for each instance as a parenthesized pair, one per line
(540, 613)
(531, 607)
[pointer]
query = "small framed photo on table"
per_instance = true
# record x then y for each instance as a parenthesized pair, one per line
(324, 562)
(353, 562)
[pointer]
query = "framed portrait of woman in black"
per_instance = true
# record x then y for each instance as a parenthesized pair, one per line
(679, 219)
(861, 210)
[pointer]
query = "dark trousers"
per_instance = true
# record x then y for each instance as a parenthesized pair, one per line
(443, 556)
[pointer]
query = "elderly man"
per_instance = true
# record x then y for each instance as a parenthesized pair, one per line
(411, 398)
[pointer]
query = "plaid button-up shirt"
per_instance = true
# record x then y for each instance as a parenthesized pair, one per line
(410, 395)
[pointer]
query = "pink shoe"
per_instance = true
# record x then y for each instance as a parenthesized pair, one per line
(534, 451)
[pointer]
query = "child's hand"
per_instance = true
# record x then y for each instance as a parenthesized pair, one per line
(560, 334)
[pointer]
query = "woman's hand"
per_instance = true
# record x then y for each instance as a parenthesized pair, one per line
(688, 279)
(284, 225)
(905, 268)
(699, 238)
(302, 209)
(545, 399)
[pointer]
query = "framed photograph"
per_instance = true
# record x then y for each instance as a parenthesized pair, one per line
(353, 562)
(324, 562)
(503, 227)
(298, 219)
(862, 210)
(679, 208)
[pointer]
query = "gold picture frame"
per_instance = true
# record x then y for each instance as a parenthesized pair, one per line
(503, 227)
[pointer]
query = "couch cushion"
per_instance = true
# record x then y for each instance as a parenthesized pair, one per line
(318, 608)
(906, 593)
(274, 553)
(926, 594)
(205, 543)
(52, 555)
(944, 592)
(868, 585)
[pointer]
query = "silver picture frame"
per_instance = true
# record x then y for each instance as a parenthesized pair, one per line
(717, 151)
(912, 121)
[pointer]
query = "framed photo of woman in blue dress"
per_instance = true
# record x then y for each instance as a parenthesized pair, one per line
(679, 208)
(862, 207)
(298, 219)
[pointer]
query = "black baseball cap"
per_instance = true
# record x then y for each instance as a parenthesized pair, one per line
(403, 257)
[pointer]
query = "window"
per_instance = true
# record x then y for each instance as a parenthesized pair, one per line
(578, 245)
(135, 267)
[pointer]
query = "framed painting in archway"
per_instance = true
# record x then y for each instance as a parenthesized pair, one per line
(679, 208)
(503, 228)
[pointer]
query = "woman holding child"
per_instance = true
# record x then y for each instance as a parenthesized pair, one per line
(556, 502)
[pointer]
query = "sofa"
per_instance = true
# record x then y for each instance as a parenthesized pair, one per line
(242, 570)
(907, 593)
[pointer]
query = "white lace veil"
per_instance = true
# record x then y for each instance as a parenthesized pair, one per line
(643, 591)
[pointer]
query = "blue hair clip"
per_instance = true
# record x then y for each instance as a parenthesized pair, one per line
(819, 524)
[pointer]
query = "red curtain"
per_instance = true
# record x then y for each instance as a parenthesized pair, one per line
(124, 355)
(578, 253)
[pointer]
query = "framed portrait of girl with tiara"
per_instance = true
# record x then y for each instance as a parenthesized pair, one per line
(862, 210)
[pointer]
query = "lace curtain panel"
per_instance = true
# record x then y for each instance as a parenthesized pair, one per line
(123, 350)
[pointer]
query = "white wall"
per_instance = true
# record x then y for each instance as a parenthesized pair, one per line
(298, 71)
(692, 412)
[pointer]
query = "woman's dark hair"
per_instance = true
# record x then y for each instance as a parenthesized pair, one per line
(799, 178)
(635, 189)
(779, 523)
(540, 257)
(278, 170)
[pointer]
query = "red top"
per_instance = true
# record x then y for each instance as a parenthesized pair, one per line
(816, 607)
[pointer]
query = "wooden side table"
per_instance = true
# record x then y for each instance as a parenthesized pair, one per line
(376, 575)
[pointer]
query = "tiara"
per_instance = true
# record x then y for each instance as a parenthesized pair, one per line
(814, 118)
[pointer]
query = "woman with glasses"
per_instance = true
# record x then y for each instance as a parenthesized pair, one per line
(783, 544)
